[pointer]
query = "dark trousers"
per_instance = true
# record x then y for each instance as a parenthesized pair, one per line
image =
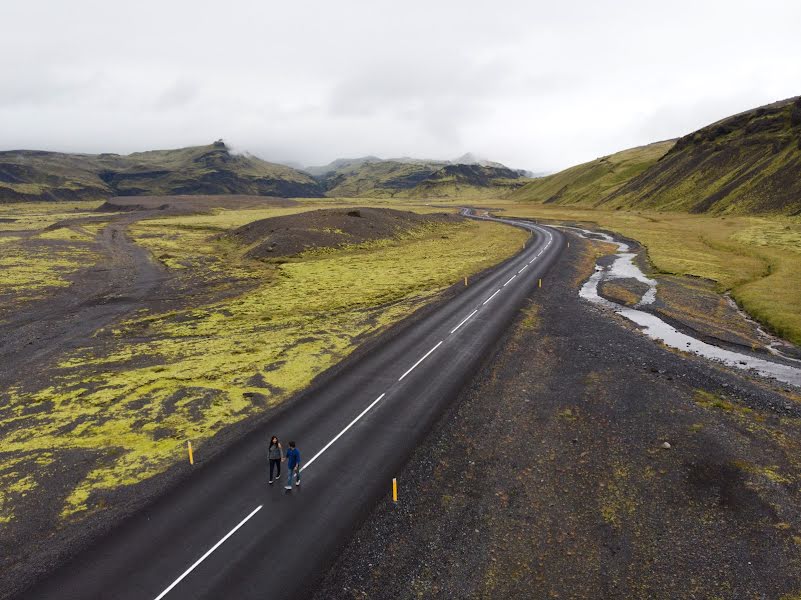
(275, 462)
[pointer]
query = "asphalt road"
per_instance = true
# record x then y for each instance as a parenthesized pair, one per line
(226, 533)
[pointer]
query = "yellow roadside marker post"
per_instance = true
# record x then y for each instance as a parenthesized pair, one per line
(540, 283)
(395, 490)
(465, 281)
(191, 456)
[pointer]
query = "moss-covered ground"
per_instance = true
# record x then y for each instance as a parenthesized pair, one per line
(756, 259)
(35, 261)
(234, 338)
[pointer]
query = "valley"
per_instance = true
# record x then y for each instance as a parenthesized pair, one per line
(460, 325)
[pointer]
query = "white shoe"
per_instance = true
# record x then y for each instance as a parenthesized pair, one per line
(270, 482)
(289, 487)
(297, 482)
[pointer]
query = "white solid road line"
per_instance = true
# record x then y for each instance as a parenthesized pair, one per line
(464, 320)
(491, 297)
(339, 435)
(427, 354)
(205, 556)
(510, 280)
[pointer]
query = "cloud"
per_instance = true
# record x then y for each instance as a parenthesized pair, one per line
(539, 85)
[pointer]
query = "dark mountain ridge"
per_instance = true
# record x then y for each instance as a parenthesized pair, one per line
(27, 175)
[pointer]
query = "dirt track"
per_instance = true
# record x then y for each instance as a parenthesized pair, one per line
(119, 283)
(123, 280)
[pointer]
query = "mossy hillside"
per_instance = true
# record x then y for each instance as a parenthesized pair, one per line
(745, 164)
(187, 374)
(590, 183)
(213, 169)
(468, 181)
(416, 179)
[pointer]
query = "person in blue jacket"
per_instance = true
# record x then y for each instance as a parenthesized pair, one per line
(293, 465)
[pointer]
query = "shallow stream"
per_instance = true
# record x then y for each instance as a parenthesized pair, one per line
(623, 267)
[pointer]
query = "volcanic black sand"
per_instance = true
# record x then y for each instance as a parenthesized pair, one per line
(34, 335)
(292, 234)
(191, 203)
(586, 461)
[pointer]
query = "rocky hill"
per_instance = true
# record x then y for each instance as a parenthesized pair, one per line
(746, 164)
(28, 175)
(749, 163)
(417, 178)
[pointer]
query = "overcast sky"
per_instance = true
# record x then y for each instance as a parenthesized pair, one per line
(536, 85)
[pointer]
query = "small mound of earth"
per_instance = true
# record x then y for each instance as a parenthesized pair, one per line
(627, 292)
(328, 228)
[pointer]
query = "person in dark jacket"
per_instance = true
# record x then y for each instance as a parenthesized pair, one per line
(293, 465)
(275, 458)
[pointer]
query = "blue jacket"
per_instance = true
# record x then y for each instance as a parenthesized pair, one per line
(292, 458)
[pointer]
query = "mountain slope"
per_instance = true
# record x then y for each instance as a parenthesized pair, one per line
(27, 175)
(415, 178)
(468, 181)
(749, 163)
(745, 164)
(591, 182)
(383, 178)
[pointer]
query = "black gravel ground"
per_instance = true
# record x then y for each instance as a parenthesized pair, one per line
(586, 461)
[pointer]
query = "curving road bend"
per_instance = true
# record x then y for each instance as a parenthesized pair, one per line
(226, 533)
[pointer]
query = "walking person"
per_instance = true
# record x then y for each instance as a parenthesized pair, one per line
(293, 465)
(275, 457)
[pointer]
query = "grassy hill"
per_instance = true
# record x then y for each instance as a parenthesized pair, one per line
(591, 183)
(27, 175)
(415, 178)
(746, 164)
(468, 181)
(749, 163)
(382, 178)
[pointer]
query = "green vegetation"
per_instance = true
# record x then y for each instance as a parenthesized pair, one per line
(745, 164)
(591, 183)
(250, 335)
(408, 178)
(756, 259)
(213, 169)
(32, 266)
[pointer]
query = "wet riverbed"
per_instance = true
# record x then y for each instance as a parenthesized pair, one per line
(624, 267)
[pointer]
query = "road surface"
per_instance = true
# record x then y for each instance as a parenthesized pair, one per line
(226, 533)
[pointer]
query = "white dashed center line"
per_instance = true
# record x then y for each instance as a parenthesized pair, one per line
(510, 280)
(491, 297)
(425, 356)
(464, 321)
(208, 552)
(339, 435)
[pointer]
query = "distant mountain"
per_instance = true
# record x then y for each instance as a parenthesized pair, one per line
(749, 163)
(471, 159)
(406, 177)
(469, 181)
(28, 175)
